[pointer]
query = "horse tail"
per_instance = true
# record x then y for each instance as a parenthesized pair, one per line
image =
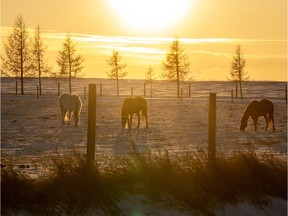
(271, 117)
(144, 108)
(144, 111)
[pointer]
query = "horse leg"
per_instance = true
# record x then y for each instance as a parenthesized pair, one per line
(69, 116)
(138, 115)
(266, 119)
(273, 122)
(130, 121)
(146, 118)
(76, 118)
(271, 118)
(63, 115)
(255, 119)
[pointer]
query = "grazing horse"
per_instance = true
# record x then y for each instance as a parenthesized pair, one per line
(70, 104)
(133, 105)
(258, 108)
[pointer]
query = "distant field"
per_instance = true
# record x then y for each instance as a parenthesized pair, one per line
(31, 130)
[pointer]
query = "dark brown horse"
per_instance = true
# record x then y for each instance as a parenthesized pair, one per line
(133, 105)
(256, 109)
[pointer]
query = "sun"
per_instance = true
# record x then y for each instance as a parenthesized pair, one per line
(150, 15)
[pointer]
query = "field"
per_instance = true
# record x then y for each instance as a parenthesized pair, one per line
(32, 134)
(31, 128)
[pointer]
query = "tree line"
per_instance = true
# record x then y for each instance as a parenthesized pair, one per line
(26, 57)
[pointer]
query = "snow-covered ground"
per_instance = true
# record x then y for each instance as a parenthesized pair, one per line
(32, 133)
(31, 127)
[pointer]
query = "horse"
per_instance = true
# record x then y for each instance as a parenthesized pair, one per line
(256, 109)
(70, 104)
(133, 105)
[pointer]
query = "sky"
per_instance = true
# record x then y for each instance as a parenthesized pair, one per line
(142, 30)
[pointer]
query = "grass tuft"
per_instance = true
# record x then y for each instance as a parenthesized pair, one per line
(73, 186)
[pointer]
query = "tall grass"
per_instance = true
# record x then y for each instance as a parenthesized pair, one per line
(189, 180)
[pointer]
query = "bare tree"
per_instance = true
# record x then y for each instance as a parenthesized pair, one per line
(149, 76)
(39, 62)
(176, 65)
(237, 72)
(117, 69)
(69, 62)
(17, 59)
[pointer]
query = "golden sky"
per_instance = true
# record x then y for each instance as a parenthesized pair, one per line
(142, 30)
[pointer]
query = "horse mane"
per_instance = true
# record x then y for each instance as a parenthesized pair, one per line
(247, 111)
(78, 103)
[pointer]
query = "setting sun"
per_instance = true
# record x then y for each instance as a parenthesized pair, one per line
(150, 15)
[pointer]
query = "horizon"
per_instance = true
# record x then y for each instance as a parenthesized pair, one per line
(141, 79)
(209, 49)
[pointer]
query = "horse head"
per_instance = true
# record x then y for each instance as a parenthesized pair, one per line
(124, 121)
(243, 124)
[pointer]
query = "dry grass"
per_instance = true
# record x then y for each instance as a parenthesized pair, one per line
(75, 186)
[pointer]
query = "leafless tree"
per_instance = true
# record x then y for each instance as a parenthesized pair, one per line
(40, 65)
(117, 69)
(16, 61)
(69, 62)
(176, 65)
(237, 72)
(149, 76)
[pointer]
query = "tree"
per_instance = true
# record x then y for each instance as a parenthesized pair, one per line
(17, 59)
(38, 60)
(69, 61)
(149, 76)
(176, 66)
(237, 72)
(117, 69)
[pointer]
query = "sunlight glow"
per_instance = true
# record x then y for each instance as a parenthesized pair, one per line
(150, 15)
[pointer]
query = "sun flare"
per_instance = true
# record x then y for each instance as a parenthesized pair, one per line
(150, 15)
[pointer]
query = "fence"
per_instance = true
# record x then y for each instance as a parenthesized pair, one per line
(174, 125)
(157, 89)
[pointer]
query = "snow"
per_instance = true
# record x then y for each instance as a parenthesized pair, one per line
(32, 133)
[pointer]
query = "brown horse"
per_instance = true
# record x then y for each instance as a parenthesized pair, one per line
(256, 109)
(133, 105)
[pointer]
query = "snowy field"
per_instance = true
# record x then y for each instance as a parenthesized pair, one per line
(32, 134)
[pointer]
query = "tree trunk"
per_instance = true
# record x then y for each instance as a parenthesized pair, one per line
(178, 77)
(39, 71)
(22, 75)
(40, 89)
(117, 79)
(241, 95)
(70, 77)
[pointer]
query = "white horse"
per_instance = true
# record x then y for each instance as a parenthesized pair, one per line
(70, 104)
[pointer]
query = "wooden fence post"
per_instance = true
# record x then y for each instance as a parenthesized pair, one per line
(91, 123)
(236, 93)
(231, 95)
(181, 96)
(58, 88)
(84, 92)
(37, 91)
(100, 89)
(212, 128)
(144, 89)
(286, 93)
(16, 87)
(189, 90)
